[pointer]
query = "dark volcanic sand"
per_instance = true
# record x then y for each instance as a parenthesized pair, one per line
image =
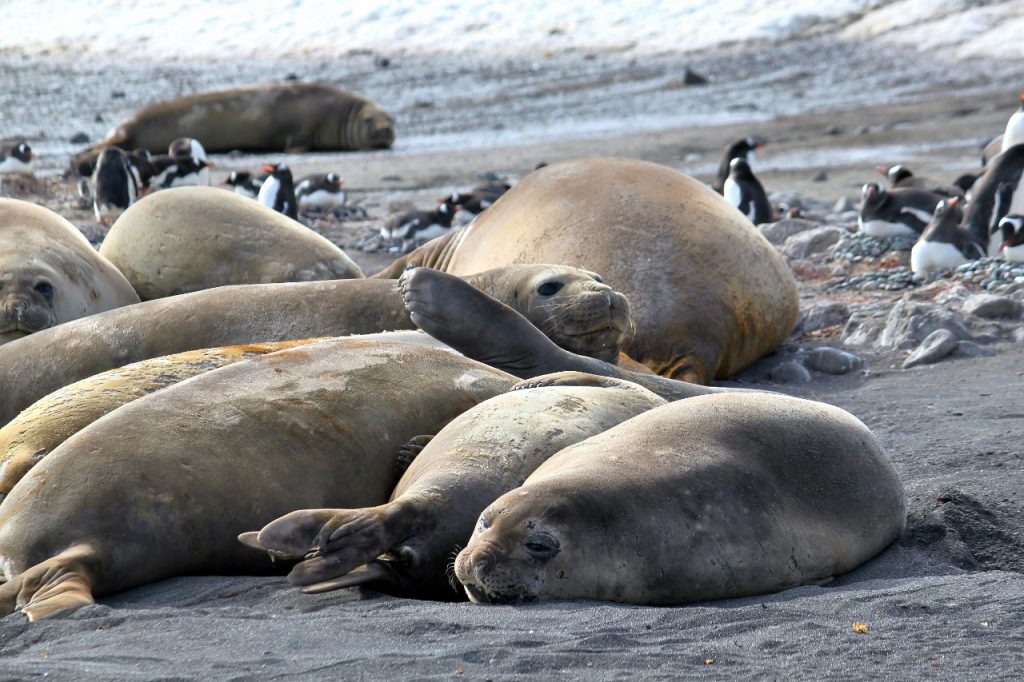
(945, 602)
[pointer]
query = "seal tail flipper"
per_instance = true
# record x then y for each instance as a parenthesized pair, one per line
(57, 586)
(370, 573)
(409, 451)
(334, 541)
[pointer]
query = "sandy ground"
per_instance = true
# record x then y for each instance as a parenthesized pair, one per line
(943, 602)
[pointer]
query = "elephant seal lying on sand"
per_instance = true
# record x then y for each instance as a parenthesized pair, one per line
(49, 273)
(712, 497)
(709, 294)
(164, 485)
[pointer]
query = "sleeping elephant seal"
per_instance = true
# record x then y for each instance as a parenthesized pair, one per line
(709, 294)
(481, 454)
(189, 238)
(49, 273)
(51, 420)
(163, 485)
(582, 314)
(272, 117)
(713, 497)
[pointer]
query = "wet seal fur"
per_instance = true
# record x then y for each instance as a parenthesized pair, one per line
(185, 239)
(271, 117)
(708, 498)
(49, 273)
(481, 454)
(163, 485)
(582, 314)
(708, 292)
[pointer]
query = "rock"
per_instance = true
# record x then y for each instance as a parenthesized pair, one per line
(991, 306)
(811, 242)
(832, 360)
(844, 204)
(821, 176)
(936, 346)
(910, 322)
(805, 270)
(777, 233)
(862, 329)
(824, 314)
(691, 77)
(1018, 335)
(790, 372)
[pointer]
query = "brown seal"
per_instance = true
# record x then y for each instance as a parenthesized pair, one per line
(185, 239)
(713, 497)
(49, 273)
(583, 314)
(709, 294)
(481, 454)
(163, 485)
(272, 117)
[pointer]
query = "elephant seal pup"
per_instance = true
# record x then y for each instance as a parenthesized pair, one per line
(49, 273)
(583, 314)
(708, 292)
(189, 238)
(483, 453)
(271, 117)
(51, 420)
(163, 485)
(714, 497)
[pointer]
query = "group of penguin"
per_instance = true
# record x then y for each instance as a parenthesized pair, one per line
(415, 226)
(978, 215)
(119, 178)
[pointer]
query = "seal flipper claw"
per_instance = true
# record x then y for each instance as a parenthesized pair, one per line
(408, 452)
(291, 535)
(372, 572)
(57, 586)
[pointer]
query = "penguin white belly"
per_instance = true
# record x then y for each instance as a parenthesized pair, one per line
(1014, 131)
(13, 165)
(732, 192)
(935, 257)
(884, 228)
(321, 199)
(1014, 254)
(268, 192)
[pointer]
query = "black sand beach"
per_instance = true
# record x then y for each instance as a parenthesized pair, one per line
(944, 602)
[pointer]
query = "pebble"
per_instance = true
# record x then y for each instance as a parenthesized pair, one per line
(811, 242)
(790, 372)
(778, 232)
(936, 346)
(890, 279)
(824, 314)
(858, 246)
(990, 306)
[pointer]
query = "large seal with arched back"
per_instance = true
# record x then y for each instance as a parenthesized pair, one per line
(712, 497)
(709, 294)
(49, 273)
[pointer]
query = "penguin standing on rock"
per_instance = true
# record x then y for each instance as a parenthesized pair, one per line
(744, 191)
(114, 186)
(999, 192)
(740, 149)
(902, 211)
(1012, 229)
(278, 190)
(944, 245)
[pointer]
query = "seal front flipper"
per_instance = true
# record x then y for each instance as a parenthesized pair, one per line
(572, 378)
(57, 586)
(408, 452)
(370, 573)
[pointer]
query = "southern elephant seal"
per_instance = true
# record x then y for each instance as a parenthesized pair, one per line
(583, 314)
(272, 117)
(483, 453)
(708, 292)
(163, 485)
(51, 420)
(189, 238)
(49, 273)
(713, 497)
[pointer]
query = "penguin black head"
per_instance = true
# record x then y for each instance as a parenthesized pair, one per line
(237, 178)
(1012, 227)
(895, 174)
(279, 170)
(966, 181)
(948, 210)
(23, 152)
(872, 194)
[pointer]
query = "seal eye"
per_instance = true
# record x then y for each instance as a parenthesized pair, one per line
(599, 279)
(549, 288)
(541, 545)
(45, 289)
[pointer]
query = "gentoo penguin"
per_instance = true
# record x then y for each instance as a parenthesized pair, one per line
(1014, 133)
(320, 192)
(895, 212)
(418, 225)
(478, 198)
(1012, 229)
(16, 159)
(113, 185)
(141, 168)
(242, 182)
(744, 191)
(998, 193)
(901, 176)
(944, 245)
(964, 182)
(991, 150)
(740, 149)
(193, 166)
(278, 192)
